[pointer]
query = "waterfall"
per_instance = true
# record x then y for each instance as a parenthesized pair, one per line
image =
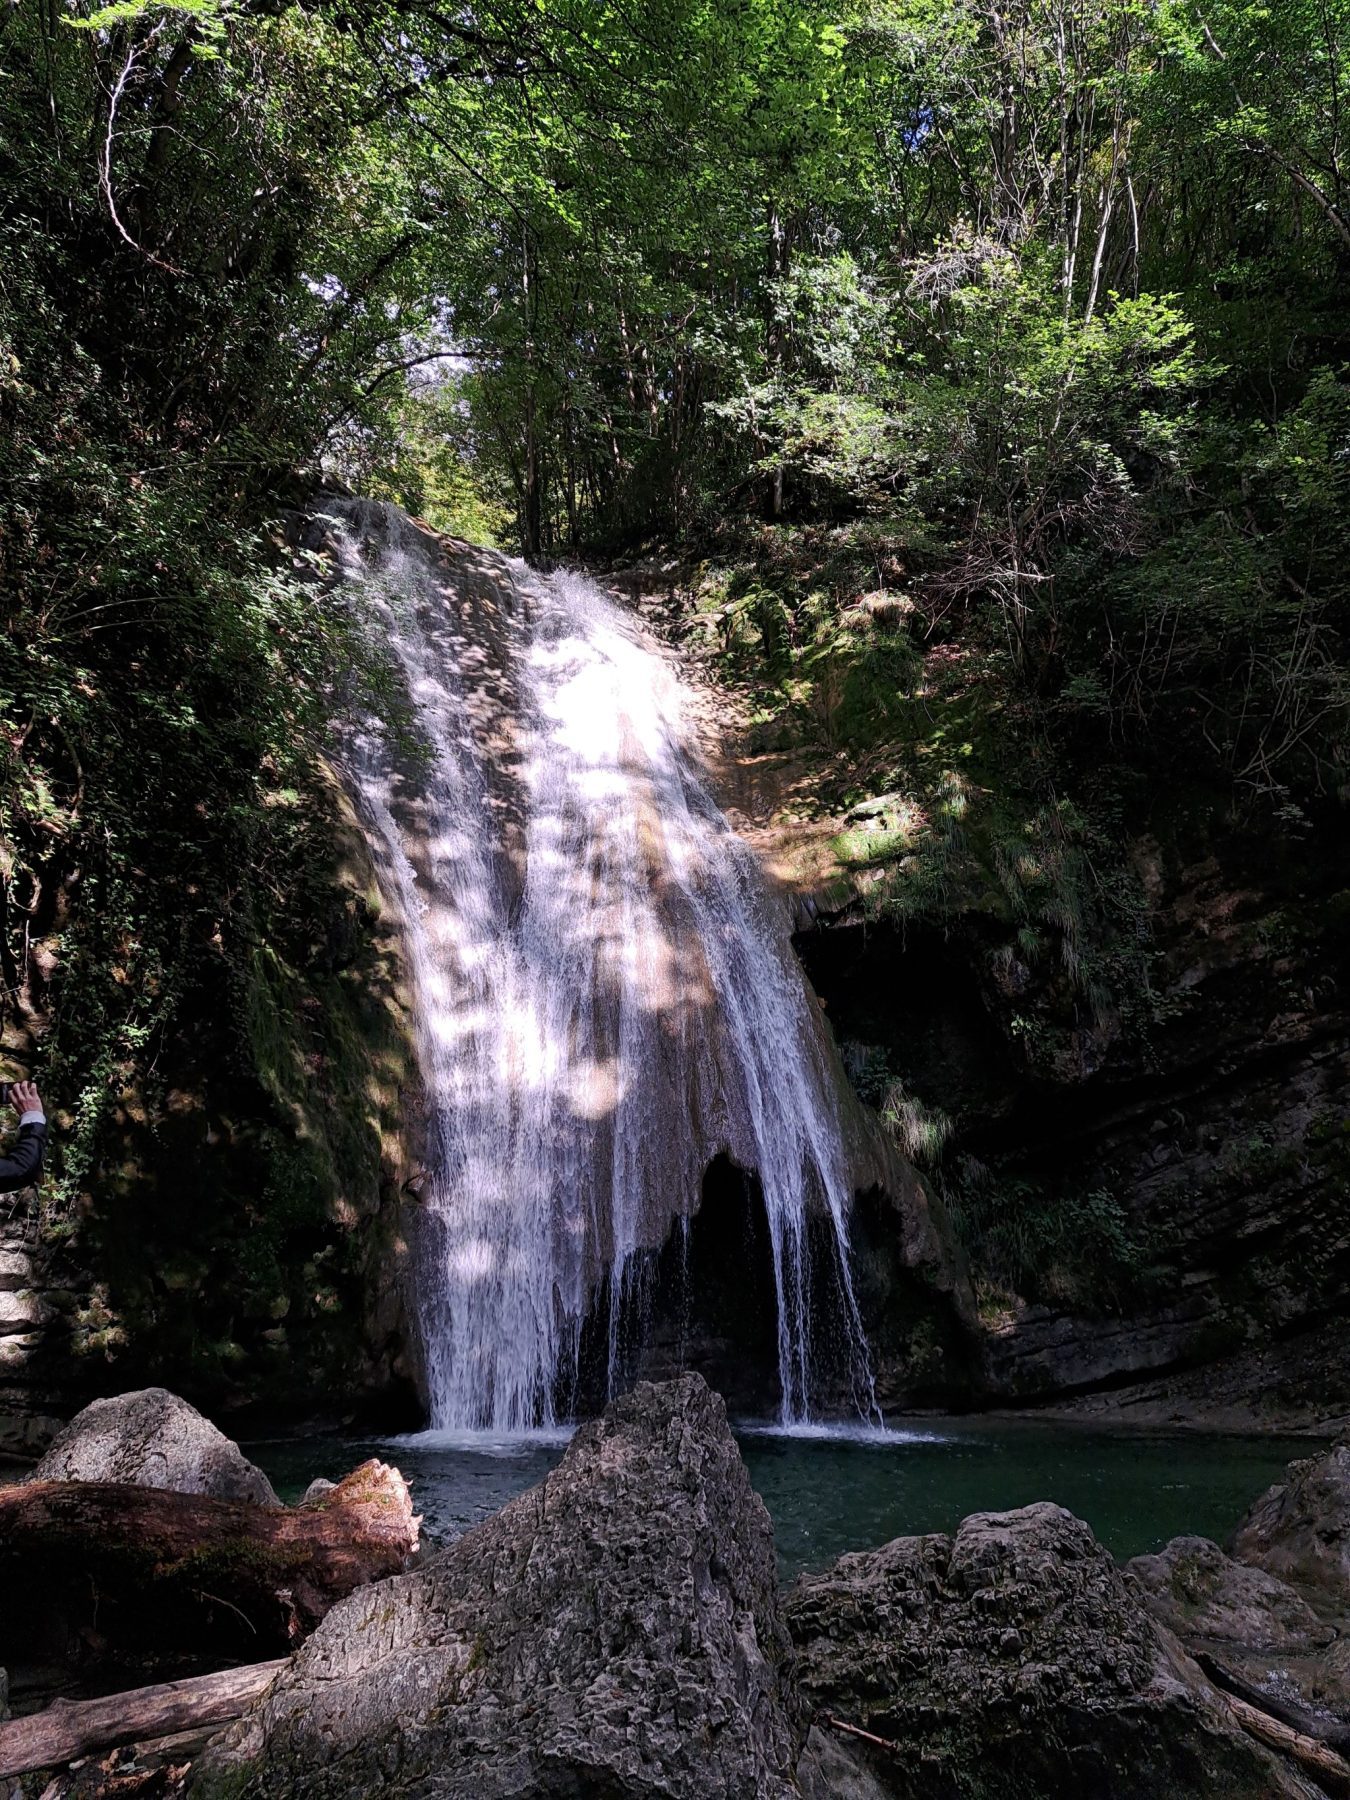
(605, 991)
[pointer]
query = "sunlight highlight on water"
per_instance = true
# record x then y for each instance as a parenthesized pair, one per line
(482, 1443)
(837, 1431)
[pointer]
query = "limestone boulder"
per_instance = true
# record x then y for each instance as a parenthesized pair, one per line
(615, 1632)
(1255, 1633)
(1012, 1659)
(1299, 1530)
(151, 1438)
(1204, 1596)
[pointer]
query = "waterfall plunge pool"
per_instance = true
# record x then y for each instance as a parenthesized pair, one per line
(835, 1489)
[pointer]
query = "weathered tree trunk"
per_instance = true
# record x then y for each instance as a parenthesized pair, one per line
(100, 1572)
(70, 1729)
(775, 336)
(1330, 1771)
(532, 506)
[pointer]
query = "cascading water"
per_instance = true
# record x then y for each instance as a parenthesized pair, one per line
(605, 992)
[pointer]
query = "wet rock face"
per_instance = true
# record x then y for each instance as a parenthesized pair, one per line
(1009, 1661)
(151, 1438)
(1299, 1530)
(37, 1303)
(614, 1632)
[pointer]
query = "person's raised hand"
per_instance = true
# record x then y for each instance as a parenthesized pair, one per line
(24, 1097)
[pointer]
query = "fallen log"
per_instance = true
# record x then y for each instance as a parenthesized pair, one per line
(1330, 1771)
(69, 1729)
(1300, 1719)
(103, 1572)
(868, 1737)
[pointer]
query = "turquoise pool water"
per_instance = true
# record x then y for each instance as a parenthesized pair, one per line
(838, 1491)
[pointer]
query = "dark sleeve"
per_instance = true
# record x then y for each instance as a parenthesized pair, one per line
(25, 1165)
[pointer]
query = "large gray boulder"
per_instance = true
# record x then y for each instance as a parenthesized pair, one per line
(1008, 1662)
(1205, 1597)
(615, 1632)
(1299, 1530)
(1253, 1631)
(151, 1438)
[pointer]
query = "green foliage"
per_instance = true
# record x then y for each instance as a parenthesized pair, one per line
(993, 359)
(921, 1131)
(823, 420)
(205, 15)
(1060, 430)
(1077, 1250)
(168, 671)
(424, 465)
(1086, 400)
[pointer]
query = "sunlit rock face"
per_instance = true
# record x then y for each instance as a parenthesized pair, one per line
(606, 994)
(152, 1438)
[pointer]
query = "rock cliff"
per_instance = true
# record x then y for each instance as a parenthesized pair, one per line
(1157, 1200)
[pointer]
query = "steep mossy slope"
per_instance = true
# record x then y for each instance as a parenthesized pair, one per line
(1099, 998)
(240, 1230)
(190, 960)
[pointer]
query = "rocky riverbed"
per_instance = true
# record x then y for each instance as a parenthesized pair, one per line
(618, 1631)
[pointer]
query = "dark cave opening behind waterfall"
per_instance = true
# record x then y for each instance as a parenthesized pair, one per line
(707, 1300)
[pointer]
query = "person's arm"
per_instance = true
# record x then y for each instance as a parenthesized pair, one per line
(24, 1166)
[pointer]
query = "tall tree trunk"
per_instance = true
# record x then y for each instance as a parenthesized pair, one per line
(774, 333)
(532, 498)
(531, 505)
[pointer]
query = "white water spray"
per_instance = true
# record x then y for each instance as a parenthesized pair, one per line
(606, 994)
